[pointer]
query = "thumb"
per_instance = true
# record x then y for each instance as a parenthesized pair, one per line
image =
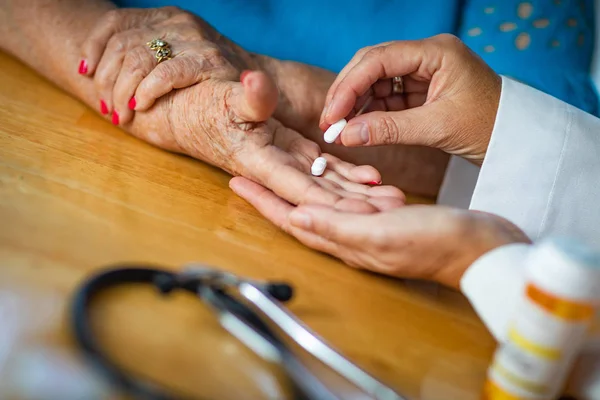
(255, 100)
(425, 125)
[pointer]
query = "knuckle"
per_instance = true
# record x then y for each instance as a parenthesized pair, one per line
(111, 18)
(183, 17)
(172, 10)
(161, 73)
(376, 52)
(386, 130)
(167, 73)
(134, 60)
(363, 51)
(449, 40)
(380, 240)
(102, 80)
(118, 42)
(212, 54)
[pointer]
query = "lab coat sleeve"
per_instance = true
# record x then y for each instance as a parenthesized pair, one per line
(494, 283)
(542, 167)
(542, 172)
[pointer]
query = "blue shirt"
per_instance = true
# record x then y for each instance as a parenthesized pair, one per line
(547, 44)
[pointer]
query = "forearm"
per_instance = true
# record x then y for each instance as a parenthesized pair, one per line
(47, 35)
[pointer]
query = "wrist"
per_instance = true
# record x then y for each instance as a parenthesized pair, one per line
(54, 49)
(484, 114)
(477, 233)
(302, 91)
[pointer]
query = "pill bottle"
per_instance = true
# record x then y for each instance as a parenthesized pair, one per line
(549, 325)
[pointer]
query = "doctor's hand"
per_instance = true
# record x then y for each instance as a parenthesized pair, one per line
(422, 242)
(449, 98)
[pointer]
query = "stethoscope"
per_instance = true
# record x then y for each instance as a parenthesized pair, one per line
(247, 309)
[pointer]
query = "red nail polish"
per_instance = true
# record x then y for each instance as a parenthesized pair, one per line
(132, 104)
(83, 67)
(375, 183)
(103, 107)
(244, 75)
(115, 118)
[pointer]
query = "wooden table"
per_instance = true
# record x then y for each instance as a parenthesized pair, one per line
(77, 193)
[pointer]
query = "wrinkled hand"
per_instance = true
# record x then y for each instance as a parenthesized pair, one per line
(215, 118)
(127, 77)
(124, 67)
(423, 242)
(449, 102)
(227, 124)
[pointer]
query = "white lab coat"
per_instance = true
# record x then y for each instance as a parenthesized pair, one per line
(542, 172)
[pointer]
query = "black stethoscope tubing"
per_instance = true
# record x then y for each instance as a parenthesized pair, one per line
(305, 384)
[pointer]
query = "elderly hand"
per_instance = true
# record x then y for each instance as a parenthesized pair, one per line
(125, 70)
(127, 77)
(449, 102)
(216, 118)
(226, 124)
(423, 242)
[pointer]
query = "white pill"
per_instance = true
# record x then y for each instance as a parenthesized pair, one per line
(318, 166)
(334, 131)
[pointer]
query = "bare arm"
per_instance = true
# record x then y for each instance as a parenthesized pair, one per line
(47, 35)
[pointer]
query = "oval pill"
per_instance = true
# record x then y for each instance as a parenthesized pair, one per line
(318, 166)
(334, 131)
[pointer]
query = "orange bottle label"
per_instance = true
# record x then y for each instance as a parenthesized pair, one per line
(559, 307)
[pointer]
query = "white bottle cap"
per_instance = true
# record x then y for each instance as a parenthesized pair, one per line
(566, 268)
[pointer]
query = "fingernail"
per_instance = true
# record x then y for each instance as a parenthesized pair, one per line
(356, 134)
(132, 103)
(83, 68)
(243, 75)
(375, 183)
(103, 107)
(115, 118)
(300, 220)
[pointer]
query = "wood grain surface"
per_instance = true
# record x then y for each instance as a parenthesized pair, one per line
(77, 194)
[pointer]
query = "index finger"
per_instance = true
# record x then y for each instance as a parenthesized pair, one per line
(350, 230)
(355, 59)
(395, 59)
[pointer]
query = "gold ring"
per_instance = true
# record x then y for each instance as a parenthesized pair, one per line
(156, 44)
(162, 54)
(397, 85)
(163, 49)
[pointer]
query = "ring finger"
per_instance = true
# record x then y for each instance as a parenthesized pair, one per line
(137, 64)
(110, 65)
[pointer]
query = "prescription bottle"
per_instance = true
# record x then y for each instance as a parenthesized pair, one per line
(549, 324)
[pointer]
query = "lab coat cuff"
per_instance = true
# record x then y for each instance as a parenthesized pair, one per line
(518, 173)
(494, 283)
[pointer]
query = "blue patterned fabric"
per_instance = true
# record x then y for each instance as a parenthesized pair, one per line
(547, 44)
